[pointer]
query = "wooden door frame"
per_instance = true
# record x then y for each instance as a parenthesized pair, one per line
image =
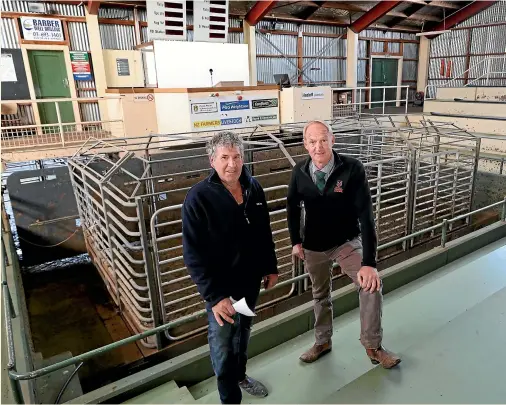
(399, 75)
(68, 67)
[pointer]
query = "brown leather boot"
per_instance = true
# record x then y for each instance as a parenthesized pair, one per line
(316, 352)
(384, 357)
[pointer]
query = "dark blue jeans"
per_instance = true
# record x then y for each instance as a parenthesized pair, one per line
(229, 346)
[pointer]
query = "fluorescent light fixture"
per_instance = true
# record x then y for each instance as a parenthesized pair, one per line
(423, 34)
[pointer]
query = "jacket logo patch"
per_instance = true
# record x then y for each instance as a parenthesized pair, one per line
(339, 187)
(259, 203)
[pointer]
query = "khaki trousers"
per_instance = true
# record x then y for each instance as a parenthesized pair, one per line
(349, 258)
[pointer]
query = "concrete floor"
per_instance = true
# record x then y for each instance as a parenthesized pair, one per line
(69, 310)
(449, 327)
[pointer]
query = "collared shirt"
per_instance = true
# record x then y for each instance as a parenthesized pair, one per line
(327, 169)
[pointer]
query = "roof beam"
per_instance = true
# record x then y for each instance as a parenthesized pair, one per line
(310, 10)
(408, 11)
(93, 7)
(258, 11)
(463, 14)
(373, 15)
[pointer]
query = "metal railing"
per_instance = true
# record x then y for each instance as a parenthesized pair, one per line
(488, 64)
(147, 278)
(359, 93)
(15, 377)
(68, 122)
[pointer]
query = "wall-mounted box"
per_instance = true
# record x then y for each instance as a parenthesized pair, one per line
(302, 104)
(123, 68)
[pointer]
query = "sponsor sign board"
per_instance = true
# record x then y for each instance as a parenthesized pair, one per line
(204, 108)
(42, 29)
(310, 95)
(234, 105)
(265, 103)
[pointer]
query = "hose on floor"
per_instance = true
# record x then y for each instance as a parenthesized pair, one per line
(60, 394)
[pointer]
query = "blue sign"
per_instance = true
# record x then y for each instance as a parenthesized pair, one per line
(234, 105)
(82, 76)
(231, 121)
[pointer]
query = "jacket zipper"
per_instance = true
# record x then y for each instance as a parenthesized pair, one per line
(248, 193)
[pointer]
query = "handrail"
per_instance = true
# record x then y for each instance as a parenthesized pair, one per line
(13, 375)
(382, 102)
(460, 76)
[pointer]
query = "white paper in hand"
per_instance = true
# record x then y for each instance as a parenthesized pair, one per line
(242, 307)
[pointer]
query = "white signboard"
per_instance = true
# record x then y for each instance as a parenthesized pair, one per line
(143, 98)
(310, 95)
(230, 112)
(8, 72)
(166, 20)
(210, 21)
(42, 29)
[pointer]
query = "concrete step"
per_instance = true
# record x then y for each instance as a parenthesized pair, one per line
(491, 94)
(168, 393)
(443, 368)
(48, 387)
(412, 314)
(472, 109)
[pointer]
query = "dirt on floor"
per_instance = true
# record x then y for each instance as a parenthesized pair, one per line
(69, 309)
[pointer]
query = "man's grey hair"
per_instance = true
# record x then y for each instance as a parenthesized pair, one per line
(329, 128)
(228, 139)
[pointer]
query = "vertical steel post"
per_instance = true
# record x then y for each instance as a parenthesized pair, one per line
(473, 182)
(407, 97)
(384, 96)
(443, 233)
(151, 277)
(60, 124)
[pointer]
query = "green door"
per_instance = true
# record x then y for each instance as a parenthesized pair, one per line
(51, 81)
(384, 73)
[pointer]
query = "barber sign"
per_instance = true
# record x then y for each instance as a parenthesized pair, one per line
(42, 29)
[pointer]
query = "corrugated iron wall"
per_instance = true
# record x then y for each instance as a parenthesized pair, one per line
(70, 10)
(9, 35)
(463, 48)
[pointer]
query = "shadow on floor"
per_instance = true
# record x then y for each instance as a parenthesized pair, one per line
(69, 310)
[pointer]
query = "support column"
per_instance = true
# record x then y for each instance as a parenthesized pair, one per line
(250, 39)
(351, 58)
(423, 64)
(97, 61)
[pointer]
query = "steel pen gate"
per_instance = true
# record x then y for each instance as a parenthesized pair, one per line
(129, 194)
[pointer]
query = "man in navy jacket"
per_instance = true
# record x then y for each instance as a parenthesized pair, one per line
(229, 250)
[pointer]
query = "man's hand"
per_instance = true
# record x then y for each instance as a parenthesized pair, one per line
(298, 251)
(225, 310)
(270, 281)
(369, 279)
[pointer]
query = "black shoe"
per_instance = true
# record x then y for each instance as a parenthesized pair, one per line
(254, 387)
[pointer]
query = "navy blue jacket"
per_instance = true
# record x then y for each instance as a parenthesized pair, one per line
(227, 247)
